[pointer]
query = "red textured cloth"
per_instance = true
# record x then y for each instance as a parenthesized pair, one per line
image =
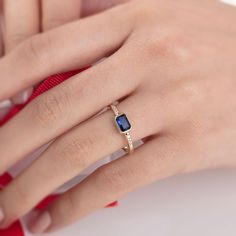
(52, 81)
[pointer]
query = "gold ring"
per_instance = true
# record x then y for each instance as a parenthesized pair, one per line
(124, 127)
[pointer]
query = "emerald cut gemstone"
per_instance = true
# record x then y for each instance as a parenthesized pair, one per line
(123, 123)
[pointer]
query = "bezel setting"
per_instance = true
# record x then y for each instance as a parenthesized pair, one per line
(122, 123)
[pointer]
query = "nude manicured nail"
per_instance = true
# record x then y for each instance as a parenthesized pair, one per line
(22, 97)
(2, 216)
(5, 106)
(41, 223)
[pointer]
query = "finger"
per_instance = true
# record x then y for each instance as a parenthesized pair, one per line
(21, 20)
(1, 30)
(152, 161)
(90, 7)
(5, 107)
(22, 97)
(65, 106)
(45, 54)
(56, 13)
(70, 154)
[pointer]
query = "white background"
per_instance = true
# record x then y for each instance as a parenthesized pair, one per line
(201, 204)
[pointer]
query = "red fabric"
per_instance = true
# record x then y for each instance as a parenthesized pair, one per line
(52, 81)
(15, 230)
(5, 179)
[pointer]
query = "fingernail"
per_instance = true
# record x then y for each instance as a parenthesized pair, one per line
(5, 106)
(22, 97)
(41, 223)
(2, 216)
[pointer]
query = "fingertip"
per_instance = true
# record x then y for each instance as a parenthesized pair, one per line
(21, 98)
(41, 223)
(5, 106)
(2, 215)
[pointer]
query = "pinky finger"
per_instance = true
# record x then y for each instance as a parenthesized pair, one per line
(109, 182)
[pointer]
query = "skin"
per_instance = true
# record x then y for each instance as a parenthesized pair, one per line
(41, 15)
(174, 74)
(38, 16)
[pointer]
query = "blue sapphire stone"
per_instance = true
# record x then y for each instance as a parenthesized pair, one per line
(123, 123)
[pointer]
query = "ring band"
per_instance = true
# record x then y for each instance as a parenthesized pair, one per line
(124, 127)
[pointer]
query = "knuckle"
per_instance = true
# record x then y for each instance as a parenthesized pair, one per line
(22, 196)
(50, 107)
(76, 152)
(70, 205)
(142, 10)
(147, 12)
(54, 22)
(16, 37)
(173, 47)
(37, 48)
(112, 178)
(46, 110)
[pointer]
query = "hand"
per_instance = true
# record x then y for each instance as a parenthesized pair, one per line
(40, 16)
(172, 67)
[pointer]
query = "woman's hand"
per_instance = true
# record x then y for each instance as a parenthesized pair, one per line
(172, 67)
(25, 18)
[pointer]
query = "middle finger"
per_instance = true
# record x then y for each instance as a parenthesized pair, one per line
(63, 107)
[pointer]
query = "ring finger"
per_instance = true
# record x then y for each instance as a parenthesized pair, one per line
(72, 153)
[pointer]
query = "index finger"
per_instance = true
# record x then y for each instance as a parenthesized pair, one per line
(66, 48)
